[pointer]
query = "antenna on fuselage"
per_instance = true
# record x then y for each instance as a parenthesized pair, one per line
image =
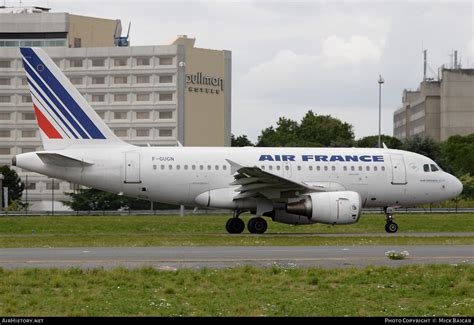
(384, 145)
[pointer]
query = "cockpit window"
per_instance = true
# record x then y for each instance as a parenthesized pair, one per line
(426, 167)
(434, 168)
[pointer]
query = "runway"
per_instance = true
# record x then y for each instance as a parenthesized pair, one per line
(172, 258)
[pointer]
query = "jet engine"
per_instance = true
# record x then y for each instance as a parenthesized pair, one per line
(341, 207)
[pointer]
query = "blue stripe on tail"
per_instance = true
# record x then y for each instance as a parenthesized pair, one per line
(64, 96)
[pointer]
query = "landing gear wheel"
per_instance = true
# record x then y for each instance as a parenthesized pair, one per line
(257, 225)
(391, 227)
(235, 226)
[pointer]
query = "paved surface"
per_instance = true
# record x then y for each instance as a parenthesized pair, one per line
(170, 258)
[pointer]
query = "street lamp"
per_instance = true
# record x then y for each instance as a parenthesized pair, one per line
(381, 81)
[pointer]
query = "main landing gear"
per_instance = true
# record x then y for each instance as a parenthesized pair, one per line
(235, 225)
(390, 226)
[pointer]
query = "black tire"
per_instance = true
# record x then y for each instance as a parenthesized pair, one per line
(257, 225)
(235, 226)
(391, 227)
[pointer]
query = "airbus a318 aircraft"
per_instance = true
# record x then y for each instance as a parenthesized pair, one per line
(289, 185)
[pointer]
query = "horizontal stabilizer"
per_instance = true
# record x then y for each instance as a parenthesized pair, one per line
(61, 160)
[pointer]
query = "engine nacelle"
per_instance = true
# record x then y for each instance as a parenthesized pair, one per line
(340, 207)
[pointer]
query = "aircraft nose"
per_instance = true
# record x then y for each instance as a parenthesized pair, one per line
(456, 186)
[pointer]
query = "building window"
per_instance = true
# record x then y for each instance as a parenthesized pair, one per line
(5, 64)
(143, 61)
(49, 185)
(4, 116)
(143, 79)
(165, 115)
(5, 81)
(143, 115)
(98, 98)
(75, 63)
(5, 98)
(4, 151)
(30, 186)
(166, 97)
(26, 99)
(98, 80)
(166, 60)
(24, 81)
(144, 97)
(120, 80)
(98, 62)
(120, 97)
(4, 133)
(26, 150)
(120, 62)
(77, 42)
(166, 132)
(29, 116)
(143, 132)
(28, 133)
(166, 79)
(121, 132)
(76, 80)
(120, 115)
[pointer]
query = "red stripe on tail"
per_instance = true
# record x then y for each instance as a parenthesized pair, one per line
(46, 126)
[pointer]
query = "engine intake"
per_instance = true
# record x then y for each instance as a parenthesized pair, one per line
(341, 207)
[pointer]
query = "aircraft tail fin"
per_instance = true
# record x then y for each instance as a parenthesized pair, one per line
(64, 117)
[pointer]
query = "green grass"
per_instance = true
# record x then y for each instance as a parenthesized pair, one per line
(438, 290)
(208, 230)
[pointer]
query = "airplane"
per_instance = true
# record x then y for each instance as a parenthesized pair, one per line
(295, 186)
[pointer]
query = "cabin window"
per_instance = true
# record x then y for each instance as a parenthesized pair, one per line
(375, 168)
(185, 167)
(333, 168)
(318, 168)
(162, 167)
(345, 168)
(352, 168)
(278, 167)
(224, 167)
(325, 168)
(299, 167)
(262, 167)
(383, 168)
(426, 167)
(201, 167)
(154, 166)
(209, 167)
(310, 168)
(270, 167)
(360, 168)
(178, 167)
(170, 167)
(194, 167)
(367, 168)
(288, 168)
(217, 167)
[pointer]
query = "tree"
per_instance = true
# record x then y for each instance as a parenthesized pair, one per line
(97, 200)
(372, 142)
(425, 146)
(240, 141)
(313, 131)
(458, 154)
(468, 186)
(13, 182)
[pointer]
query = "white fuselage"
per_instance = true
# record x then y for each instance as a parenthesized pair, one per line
(177, 175)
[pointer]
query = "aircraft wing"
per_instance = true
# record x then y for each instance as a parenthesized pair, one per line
(255, 182)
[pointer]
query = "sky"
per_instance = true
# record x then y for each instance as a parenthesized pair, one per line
(289, 57)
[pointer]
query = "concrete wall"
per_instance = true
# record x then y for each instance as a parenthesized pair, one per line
(93, 32)
(34, 22)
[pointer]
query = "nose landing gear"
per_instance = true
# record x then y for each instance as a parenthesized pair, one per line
(390, 226)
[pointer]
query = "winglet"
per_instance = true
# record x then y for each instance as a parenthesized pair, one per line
(234, 167)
